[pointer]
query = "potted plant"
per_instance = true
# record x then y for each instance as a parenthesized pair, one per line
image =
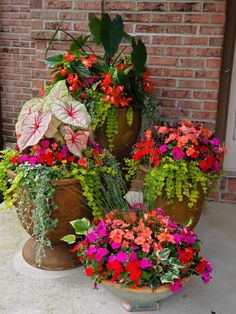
(114, 87)
(140, 255)
(181, 163)
(52, 172)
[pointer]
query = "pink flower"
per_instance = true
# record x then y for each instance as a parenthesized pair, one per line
(115, 245)
(32, 160)
(122, 257)
(133, 257)
(176, 286)
(45, 143)
(101, 229)
(177, 153)
(145, 263)
(111, 259)
(91, 250)
(101, 252)
(163, 148)
(92, 236)
(23, 158)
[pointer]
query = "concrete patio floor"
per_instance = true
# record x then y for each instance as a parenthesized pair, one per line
(74, 294)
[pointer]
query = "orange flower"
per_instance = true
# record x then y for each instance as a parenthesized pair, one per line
(148, 133)
(116, 235)
(162, 237)
(129, 235)
(191, 152)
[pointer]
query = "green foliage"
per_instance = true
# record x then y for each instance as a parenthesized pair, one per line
(176, 179)
(95, 29)
(77, 44)
(111, 126)
(111, 33)
(130, 116)
(139, 55)
(54, 60)
(80, 226)
(131, 168)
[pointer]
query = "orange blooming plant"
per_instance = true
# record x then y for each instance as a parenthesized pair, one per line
(140, 248)
(105, 83)
(179, 157)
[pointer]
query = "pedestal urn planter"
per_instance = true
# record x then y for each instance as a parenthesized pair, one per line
(139, 299)
(126, 135)
(71, 205)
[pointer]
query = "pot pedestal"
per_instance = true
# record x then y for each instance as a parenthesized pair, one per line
(57, 257)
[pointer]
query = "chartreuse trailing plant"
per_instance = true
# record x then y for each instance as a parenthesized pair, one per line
(138, 248)
(179, 161)
(105, 82)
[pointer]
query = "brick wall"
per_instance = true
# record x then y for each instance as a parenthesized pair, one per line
(184, 41)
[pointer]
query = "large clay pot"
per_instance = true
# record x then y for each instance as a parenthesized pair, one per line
(179, 211)
(71, 205)
(126, 137)
(136, 299)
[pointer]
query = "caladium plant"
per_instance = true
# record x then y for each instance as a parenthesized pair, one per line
(46, 117)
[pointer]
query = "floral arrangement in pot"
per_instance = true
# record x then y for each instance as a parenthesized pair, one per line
(55, 167)
(115, 88)
(142, 255)
(181, 164)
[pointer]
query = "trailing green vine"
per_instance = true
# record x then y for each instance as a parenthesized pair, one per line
(130, 116)
(111, 126)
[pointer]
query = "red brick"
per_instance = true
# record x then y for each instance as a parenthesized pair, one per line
(214, 63)
(196, 18)
(206, 115)
(210, 105)
(176, 51)
(189, 104)
(164, 82)
(229, 197)
(181, 29)
(218, 19)
(162, 61)
(110, 5)
(209, 30)
(58, 4)
(141, 28)
(143, 18)
(207, 74)
(216, 41)
(191, 84)
(87, 5)
(176, 93)
(193, 63)
(167, 18)
(196, 41)
(214, 195)
(152, 6)
(36, 4)
(169, 40)
(186, 7)
(205, 95)
(232, 185)
(214, 7)
(177, 72)
(209, 52)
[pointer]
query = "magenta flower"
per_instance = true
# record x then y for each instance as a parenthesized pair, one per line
(101, 252)
(115, 245)
(178, 237)
(215, 141)
(45, 143)
(101, 228)
(92, 236)
(91, 250)
(23, 158)
(176, 286)
(145, 263)
(32, 160)
(133, 257)
(177, 153)
(111, 259)
(190, 239)
(206, 277)
(122, 257)
(163, 148)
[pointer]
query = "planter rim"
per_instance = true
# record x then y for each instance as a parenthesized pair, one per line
(64, 182)
(160, 289)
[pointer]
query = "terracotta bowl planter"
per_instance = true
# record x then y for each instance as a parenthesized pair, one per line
(71, 205)
(179, 211)
(140, 299)
(126, 137)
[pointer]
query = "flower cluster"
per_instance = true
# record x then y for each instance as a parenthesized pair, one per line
(141, 251)
(185, 140)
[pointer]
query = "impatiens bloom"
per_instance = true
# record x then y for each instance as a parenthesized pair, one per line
(101, 252)
(92, 236)
(145, 263)
(89, 271)
(177, 153)
(122, 257)
(176, 286)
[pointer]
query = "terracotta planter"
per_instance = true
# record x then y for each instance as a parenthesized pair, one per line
(126, 137)
(71, 205)
(140, 299)
(179, 211)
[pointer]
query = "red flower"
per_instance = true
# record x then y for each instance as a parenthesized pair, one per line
(71, 159)
(89, 271)
(186, 255)
(63, 71)
(133, 268)
(14, 159)
(68, 57)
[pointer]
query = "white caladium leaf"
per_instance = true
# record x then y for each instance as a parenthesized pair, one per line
(76, 142)
(33, 105)
(33, 129)
(53, 127)
(58, 92)
(72, 112)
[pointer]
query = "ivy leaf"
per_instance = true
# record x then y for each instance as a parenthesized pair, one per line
(72, 112)
(95, 29)
(168, 277)
(81, 226)
(53, 61)
(174, 261)
(33, 129)
(139, 56)
(70, 238)
(164, 254)
(33, 105)
(111, 33)
(76, 142)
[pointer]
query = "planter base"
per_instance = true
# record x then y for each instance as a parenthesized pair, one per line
(139, 307)
(58, 257)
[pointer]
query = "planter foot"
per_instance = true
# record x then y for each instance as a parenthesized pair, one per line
(58, 257)
(140, 307)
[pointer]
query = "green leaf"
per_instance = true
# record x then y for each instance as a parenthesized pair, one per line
(95, 29)
(70, 238)
(111, 34)
(82, 71)
(101, 67)
(75, 47)
(168, 277)
(53, 61)
(81, 226)
(164, 254)
(197, 245)
(128, 37)
(174, 261)
(139, 56)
